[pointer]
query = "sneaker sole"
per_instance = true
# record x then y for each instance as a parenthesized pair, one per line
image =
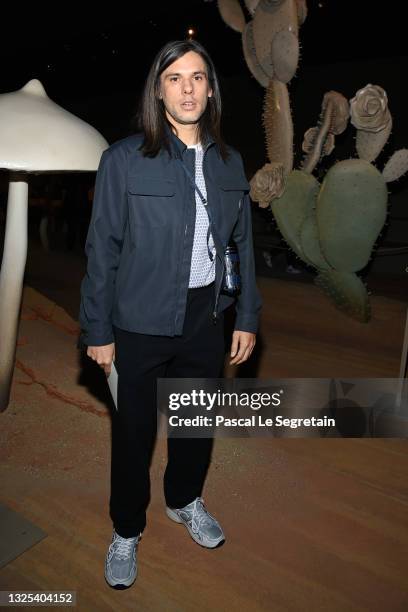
(207, 544)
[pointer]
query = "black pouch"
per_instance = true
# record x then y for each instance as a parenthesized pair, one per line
(232, 278)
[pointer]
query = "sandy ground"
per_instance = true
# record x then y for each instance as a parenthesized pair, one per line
(310, 524)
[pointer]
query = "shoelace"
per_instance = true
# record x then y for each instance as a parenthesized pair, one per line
(200, 516)
(124, 546)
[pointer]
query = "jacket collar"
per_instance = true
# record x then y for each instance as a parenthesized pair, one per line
(178, 146)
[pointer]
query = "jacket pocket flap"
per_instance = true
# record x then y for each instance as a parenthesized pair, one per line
(233, 183)
(143, 185)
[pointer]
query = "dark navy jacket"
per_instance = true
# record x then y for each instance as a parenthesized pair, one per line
(140, 240)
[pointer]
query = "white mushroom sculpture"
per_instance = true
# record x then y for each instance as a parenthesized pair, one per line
(36, 135)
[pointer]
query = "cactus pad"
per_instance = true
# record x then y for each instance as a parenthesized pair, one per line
(351, 211)
(309, 241)
(296, 203)
(347, 291)
(396, 166)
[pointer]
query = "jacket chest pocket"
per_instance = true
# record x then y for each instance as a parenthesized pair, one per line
(150, 200)
(232, 191)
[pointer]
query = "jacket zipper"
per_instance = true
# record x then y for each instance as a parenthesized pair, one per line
(185, 234)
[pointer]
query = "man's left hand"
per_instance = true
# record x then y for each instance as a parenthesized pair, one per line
(242, 346)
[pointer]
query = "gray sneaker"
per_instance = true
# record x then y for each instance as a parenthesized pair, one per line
(201, 525)
(121, 561)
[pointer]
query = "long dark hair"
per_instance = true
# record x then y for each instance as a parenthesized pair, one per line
(151, 117)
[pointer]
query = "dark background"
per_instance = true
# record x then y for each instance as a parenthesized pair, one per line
(94, 63)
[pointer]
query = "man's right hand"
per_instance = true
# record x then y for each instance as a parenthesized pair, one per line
(103, 355)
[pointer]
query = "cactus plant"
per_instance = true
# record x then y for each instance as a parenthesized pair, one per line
(232, 13)
(334, 226)
(319, 141)
(340, 228)
(278, 125)
(271, 50)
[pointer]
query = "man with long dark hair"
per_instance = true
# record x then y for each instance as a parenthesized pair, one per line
(167, 201)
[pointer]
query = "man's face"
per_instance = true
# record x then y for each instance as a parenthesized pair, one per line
(184, 89)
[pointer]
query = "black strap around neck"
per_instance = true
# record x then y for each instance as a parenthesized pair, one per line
(211, 226)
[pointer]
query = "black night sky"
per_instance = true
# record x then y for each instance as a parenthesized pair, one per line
(94, 62)
(76, 53)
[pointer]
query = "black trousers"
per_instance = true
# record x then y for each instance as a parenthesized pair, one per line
(141, 359)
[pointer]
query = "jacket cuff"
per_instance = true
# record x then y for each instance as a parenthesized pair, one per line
(88, 339)
(247, 322)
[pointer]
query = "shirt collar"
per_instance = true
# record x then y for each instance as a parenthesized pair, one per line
(177, 145)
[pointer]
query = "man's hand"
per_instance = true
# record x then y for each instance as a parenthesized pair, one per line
(103, 355)
(242, 346)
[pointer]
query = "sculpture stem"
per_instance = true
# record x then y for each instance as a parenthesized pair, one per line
(11, 280)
